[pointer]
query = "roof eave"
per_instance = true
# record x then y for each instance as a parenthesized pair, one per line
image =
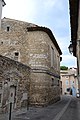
(49, 32)
(74, 6)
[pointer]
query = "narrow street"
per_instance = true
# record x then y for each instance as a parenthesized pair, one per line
(73, 111)
(67, 108)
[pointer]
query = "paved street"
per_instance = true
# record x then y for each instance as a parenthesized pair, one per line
(67, 108)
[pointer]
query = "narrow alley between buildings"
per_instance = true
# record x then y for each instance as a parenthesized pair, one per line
(67, 108)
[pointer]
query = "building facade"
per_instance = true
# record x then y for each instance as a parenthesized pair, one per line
(37, 48)
(75, 32)
(69, 81)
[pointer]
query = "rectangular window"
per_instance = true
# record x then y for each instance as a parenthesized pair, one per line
(52, 82)
(67, 82)
(16, 56)
(8, 28)
(58, 63)
(52, 56)
(58, 83)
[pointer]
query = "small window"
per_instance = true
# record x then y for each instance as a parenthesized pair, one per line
(68, 89)
(58, 83)
(8, 28)
(1, 42)
(16, 53)
(52, 82)
(52, 56)
(71, 82)
(57, 66)
(67, 82)
(16, 56)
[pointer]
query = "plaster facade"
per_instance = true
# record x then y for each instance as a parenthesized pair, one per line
(69, 81)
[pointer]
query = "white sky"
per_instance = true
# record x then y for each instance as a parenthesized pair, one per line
(53, 14)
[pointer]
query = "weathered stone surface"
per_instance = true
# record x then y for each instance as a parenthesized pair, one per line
(42, 91)
(33, 46)
(13, 75)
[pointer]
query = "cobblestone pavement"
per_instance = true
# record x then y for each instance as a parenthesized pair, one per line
(67, 106)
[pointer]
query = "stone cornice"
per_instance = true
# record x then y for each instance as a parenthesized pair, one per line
(46, 72)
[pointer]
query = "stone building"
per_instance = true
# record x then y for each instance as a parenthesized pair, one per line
(14, 83)
(37, 48)
(69, 81)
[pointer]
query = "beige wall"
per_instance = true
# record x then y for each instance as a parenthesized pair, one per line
(69, 79)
